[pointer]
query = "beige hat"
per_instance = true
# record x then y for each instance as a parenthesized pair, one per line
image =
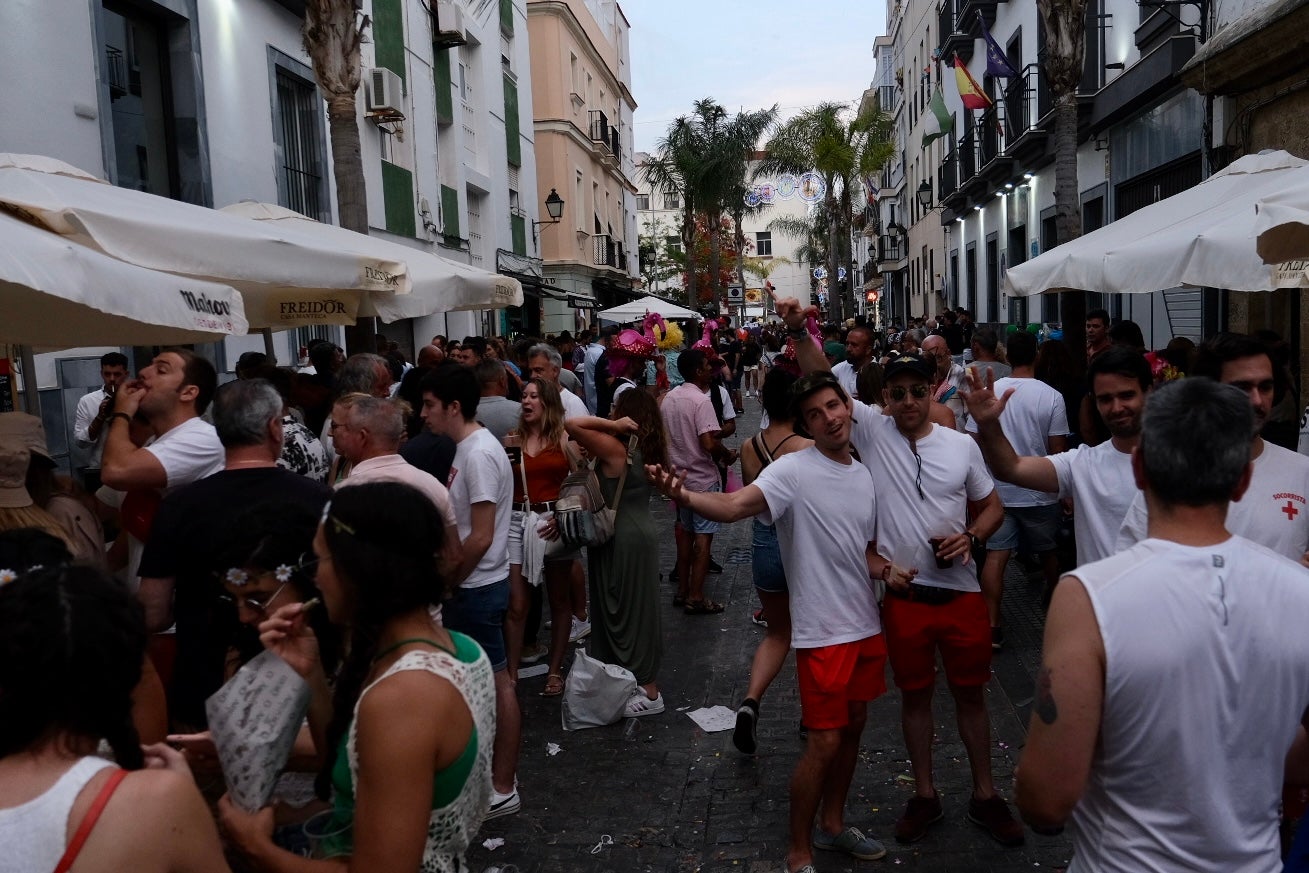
(13, 476)
(23, 429)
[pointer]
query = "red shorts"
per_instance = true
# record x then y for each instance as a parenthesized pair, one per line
(961, 629)
(833, 677)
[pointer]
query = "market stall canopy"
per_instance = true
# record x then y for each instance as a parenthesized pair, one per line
(436, 284)
(286, 281)
(637, 309)
(1204, 237)
(55, 293)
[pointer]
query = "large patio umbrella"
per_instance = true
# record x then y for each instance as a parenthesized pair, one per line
(286, 280)
(637, 309)
(1203, 237)
(436, 284)
(1282, 227)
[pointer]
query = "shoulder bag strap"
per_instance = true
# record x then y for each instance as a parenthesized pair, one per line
(622, 479)
(89, 820)
(522, 471)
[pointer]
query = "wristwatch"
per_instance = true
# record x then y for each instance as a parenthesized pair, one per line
(978, 542)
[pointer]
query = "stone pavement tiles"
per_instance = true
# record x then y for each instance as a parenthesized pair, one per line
(658, 794)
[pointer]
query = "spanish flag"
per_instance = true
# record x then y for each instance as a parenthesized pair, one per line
(969, 91)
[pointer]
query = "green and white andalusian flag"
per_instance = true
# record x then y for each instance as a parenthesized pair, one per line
(938, 121)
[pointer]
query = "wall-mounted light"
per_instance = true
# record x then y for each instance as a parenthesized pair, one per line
(925, 194)
(554, 207)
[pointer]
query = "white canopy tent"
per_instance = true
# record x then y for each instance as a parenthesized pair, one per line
(436, 284)
(1203, 237)
(637, 309)
(1282, 226)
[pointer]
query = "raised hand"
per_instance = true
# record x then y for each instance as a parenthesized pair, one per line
(626, 425)
(287, 634)
(667, 482)
(983, 405)
(790, 311)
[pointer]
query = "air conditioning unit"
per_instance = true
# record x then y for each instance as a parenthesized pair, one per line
(385, 94)
(448, 27)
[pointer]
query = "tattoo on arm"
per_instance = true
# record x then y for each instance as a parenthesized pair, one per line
(1045, 706)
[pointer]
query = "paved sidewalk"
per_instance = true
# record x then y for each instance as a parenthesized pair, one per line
(659, 794)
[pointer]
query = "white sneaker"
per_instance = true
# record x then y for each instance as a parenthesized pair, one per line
(504, 804)
(581, 630)
(638, 705)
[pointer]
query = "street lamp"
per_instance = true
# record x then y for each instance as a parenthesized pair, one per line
(554, 207)
(896, 228)
(925, 194)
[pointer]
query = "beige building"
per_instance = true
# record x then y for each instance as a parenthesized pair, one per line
(582, 107)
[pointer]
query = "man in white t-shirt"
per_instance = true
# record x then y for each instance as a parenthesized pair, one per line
(828, 541)
(1182, 662)
(930, 481)
(171, 394)
(858, 351)
(948, 380)
(1097, 478)
(1036, 424)
(482, 493)
(1273, 511)
(545, 362)
(93, 411)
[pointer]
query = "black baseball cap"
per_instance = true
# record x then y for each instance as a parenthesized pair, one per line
(810, 384)
(908, 362)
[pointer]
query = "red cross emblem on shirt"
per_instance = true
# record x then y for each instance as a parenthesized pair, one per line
(1291, 510)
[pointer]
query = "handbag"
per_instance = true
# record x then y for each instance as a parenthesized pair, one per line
(595, 693)
(583, 516)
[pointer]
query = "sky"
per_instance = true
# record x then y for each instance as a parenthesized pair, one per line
(747, 54)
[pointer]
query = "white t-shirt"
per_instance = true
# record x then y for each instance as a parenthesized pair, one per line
(953, 473)
(621, 387)
(848, 376)
(574, 406)
(188, 452)
(1033, 414)
(1100, 481)
(1272, 512)
(823, 536)
(481, 473)
(1206, 679)
(729, 410)
(87, 409)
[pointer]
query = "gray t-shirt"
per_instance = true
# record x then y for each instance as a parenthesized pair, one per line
(499, 415)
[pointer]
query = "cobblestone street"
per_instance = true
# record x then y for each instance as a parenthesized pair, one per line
(659, 794)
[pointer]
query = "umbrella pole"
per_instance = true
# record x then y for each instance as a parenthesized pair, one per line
(268, 346)
(31, 392)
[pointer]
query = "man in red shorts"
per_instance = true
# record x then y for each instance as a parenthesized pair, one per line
(935, 502)
(835, 627)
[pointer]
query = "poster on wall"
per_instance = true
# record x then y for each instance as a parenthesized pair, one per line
(7, 386)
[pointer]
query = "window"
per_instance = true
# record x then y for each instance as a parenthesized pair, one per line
(763, 244)
(673, 244)
(298, 134)
(642, 202)
(671, 200)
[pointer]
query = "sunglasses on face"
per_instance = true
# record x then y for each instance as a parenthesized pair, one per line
(899, 392)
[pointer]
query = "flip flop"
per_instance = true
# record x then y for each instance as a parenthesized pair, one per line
(702, 607)
(554, 685)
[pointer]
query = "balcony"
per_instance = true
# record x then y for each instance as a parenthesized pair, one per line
(968, 12)
(968, 161)
(887, 97)
(600, 130)
(954, 31)
(947, 178)
(1027, 104)
(616, 143)
(605, 253)
(993, 161)
(890, 251)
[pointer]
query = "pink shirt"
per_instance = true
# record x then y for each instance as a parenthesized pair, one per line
(393, 468)
(688, 412)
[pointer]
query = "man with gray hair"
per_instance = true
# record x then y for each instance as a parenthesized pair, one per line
(1181, 662)
(545, 362)
(180, 572)
(368, 431)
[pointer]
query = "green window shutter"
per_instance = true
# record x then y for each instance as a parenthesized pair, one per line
(389, 36)
(518, 229)
(398, 195)
(445, 101)
(449, 213)
(507, 17)
(513, 141)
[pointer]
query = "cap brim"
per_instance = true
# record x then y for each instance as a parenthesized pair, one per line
(15, 498)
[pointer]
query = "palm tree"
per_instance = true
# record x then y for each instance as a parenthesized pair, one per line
(841, 152)
(1065, 56)
(333, 31)
(679, 169)
(745, 131)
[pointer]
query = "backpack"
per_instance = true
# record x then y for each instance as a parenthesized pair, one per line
(583, 517)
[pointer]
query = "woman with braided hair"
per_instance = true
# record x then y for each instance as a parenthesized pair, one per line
(408, 729)
(71, 647)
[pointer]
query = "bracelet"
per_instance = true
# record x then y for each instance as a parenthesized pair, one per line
(796, 332)
(123, 415)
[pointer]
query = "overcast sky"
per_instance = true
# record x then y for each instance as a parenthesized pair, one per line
(747, 54)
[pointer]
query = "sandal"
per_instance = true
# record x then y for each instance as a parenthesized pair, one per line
(554, 685)
(702, 607)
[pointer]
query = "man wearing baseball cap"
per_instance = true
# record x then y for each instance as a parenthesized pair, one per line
(935, 501)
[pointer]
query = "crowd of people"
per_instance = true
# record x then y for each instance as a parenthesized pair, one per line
(388, 529)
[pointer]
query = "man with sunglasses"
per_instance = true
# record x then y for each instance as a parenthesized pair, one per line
(182, 564)
(835, 627)
(935, 501)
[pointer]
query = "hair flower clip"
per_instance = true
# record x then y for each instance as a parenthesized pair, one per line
(236, 576)
(7, 576)
(284, 572)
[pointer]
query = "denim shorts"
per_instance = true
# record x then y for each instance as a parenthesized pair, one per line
(1037, 527)
(692, 522)
(769, 576)
(480, 613)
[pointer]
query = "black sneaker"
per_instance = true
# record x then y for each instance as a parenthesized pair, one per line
(743, 737)
(715, 567)
(997, 639)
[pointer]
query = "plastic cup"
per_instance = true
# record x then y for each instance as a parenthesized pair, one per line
(329, 836)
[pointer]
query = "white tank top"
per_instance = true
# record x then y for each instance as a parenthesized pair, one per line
(1206, 679)
(35, 834)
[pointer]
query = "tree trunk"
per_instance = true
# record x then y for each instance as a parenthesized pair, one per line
(347, 163)
(715, 259)
(739, 237)
(833, 256)
(1068, 219)
(688, 248)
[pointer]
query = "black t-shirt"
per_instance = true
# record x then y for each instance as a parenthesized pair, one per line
(731, 352)
(750, 354)
(432, 453)
(192, 528)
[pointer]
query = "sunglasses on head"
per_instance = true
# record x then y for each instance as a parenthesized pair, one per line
(899, 392)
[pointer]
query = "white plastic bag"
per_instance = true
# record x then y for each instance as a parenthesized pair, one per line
(595, 693)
